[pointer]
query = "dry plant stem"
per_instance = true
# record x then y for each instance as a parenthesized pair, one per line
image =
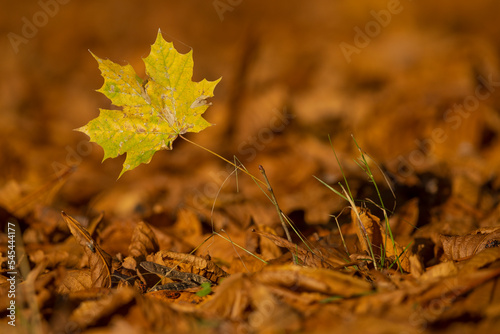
(275, 202)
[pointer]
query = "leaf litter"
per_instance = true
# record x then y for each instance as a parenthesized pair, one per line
(445, 223)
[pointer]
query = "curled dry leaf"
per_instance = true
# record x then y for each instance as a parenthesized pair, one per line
(461, 247)
(190, 264)
(144, 241)
(99, 260)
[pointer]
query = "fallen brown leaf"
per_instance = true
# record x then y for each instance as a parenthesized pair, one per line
(75, 280)
(144, 241)
(190, 264)
(90, 312)
(99, 260)
(329, 282)
(461, 247)
(370, 231)
(232, 298)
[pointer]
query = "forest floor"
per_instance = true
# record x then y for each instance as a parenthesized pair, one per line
(415, 249)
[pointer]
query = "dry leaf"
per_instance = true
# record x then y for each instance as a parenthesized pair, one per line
(369, 229)
(232, 297)
(188, 227)
(90, 312)
(481, 259)
(58, 255)
(268, 249)
(161, 316)
(320, 280)
(448, 289)
(444, 269)
(405, 221)
(190, 264)
(269, 313)
(461, 247)
(144, 241)
(75, 280)
(99, 260)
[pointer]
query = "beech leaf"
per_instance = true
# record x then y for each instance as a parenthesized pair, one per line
(154, 111)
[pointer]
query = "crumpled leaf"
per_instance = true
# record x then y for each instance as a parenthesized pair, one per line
(154, 111)
(99, 260)
(144, 241)
(460, 247)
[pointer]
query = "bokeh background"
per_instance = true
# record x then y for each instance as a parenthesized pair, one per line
(392, 73)
(416, 83)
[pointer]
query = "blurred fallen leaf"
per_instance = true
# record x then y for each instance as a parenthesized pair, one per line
(268, 249)
(449, 288)
(99, 260)
(461, 247)
(90, 312)
(320, 280)
(441, 270)
(232, 297)
(188, 280)
(75, 280)
(481, 259)
(144, 241)
(405, 221)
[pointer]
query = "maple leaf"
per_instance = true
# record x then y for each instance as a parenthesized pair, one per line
(153, 111)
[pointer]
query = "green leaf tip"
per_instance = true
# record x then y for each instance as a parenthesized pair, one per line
(154, 111)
